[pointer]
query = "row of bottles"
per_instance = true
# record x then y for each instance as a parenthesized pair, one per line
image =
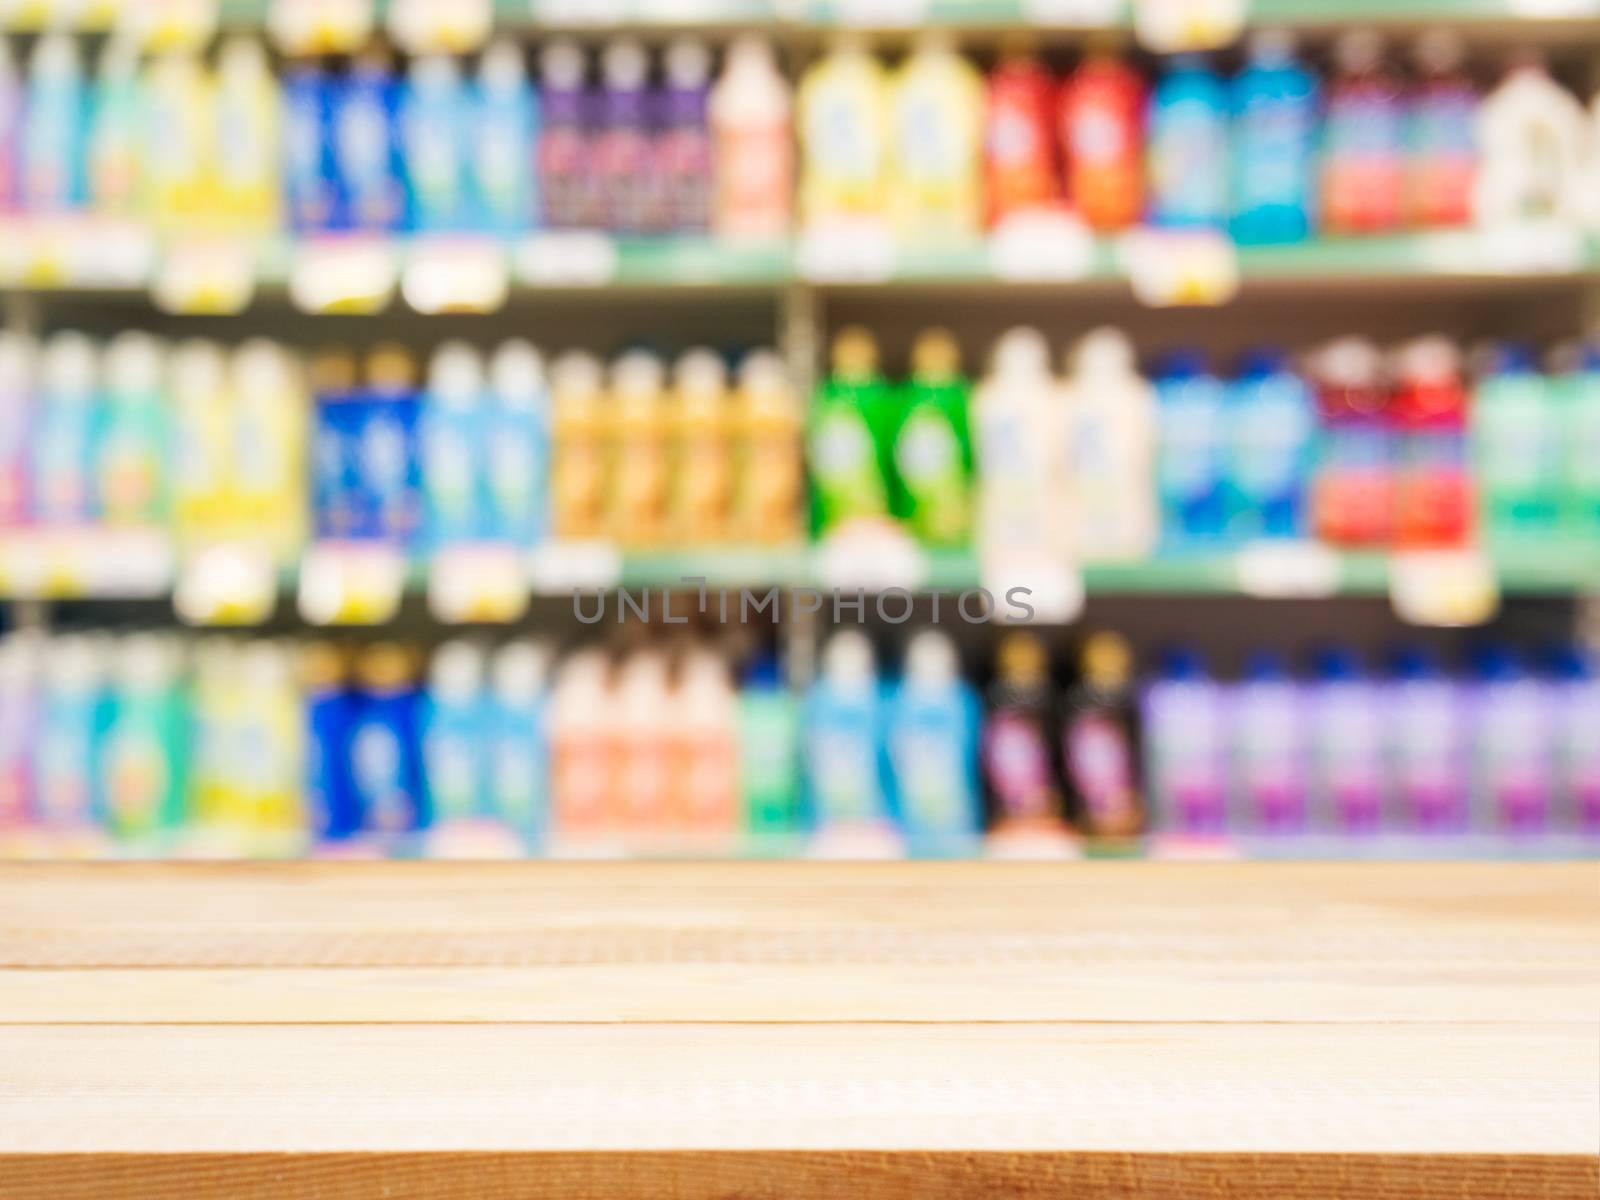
(185, 146)
(938, 150)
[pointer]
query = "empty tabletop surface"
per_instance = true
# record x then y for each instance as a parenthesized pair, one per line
(800, 1029)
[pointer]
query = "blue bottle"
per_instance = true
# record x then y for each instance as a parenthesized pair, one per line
(1191, 407)
(504, 139)
(389, 459)
(366, 148)
(451, 440)
(1268, 748)
(385, 750)
(73, 711)
(339, 504)
(454, 736)
(1271, 434)
(66, 433)
(517, 457)
(335, 812)
(1426, 721)
(933, 751)
(1577, 705)
(518, 745)
(1187, 147)
(1185, 748)
(1274, 104)
(436, 122)
(1348, 766)
(312, 197)
(844, 739)
(53, 146)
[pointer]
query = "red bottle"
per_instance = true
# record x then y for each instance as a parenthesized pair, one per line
(1352, 495)
(1102, 139)
(1434, 501)
(1363, 134)
(1019, 149)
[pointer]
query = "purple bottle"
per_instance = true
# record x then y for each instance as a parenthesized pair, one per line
(622, 152)
(1347, 767)
(1427, 746)
(1184, 748)
(1513, 745)
(1578, 711)
(1268, 747)
(682, 174)
(566, 182)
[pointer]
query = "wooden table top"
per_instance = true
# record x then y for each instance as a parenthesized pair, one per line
(874, 1031)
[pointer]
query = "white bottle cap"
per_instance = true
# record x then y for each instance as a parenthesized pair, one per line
(642, 689)
(435, 72)
(147, 662)
(931, 661)
(583, 679)
(1433, 359)
(762, 373)
(1103, 352)
(261, 367)
(562, 65)
(1022, 351)
(638, 374)
(264, 666)
(847, 660)
(21, 656)
(455, 375)
(519, 671)
(700, 372)
(134, 364)
(70, 366)
(516, 373)
(55, 56)
(1349, 362)
(456, 672)
(74, 663)
(1359, 50)
(502, 68)
(242, 56)
(119, 60)
(751, 52)
(199, 370)
(576, 373)
(19, 358)
(625, 65)
(1440, 50)
(1272, 45)
(688, 63)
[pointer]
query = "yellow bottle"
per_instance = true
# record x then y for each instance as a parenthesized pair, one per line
(266, 788)
(936, 176)
(244, 165)
(638, 507)
(202, 427)
(180, 141)
(702, 470)
(844, 131)
(268, 498)
(578, 431)
(770, 479)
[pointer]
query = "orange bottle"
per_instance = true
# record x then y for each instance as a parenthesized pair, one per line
(1102, 138)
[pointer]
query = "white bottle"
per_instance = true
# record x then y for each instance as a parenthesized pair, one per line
(1021, 500)
(249, 139)
(518, 434)
(752, 145)
(202, 422)
(1108, 440)
(1531, 134)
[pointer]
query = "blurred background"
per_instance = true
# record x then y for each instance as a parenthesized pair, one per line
(855, 427)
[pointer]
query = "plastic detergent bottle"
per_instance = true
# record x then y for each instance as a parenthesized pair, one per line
(144, 751)
(310, 176)
(1100, 741)
(268, 772)
(502, 140)
(1109, 428)
(1267, 748)
(1363, 140)
(329, 716)
(385, 751)
(568, 183)
(751, 114)
(639, 489)
(936, 115)
(578, 463)
(843, 129)
(19, 360)
(245, 190)
(1018, 749)
(1020, 163)
(1441, 135)
(1187, 147)
(435, 119)
(1186, 748)
(71, 720)
(1427, 727)
(702, 466)
(1514, 745)
(1191, 452)
(66, 432)
(390, 466)
(1102, 116)
(516, 464)
(179, 166)
(118, 134)
(1353, 492)
(770, 485)
(621, 150)
(933, 750)
(1021, 499)
(1579, 402)
(454, 447)
(20, 663)
(845, 435)
(642, 786)
(1577, 706)
(682, 150)
(583, 759)
(1434, 503)
(132, 449)
(1270, 449)
(271, 418)
(518, 740)
(455, 719)
(704, 800)
(1516, 430)
(1274, 104)
(769, 755)
(1348, 769)
(367, 147)
(1531, 138)
(932, 445)
(54, 128)
(844, 737)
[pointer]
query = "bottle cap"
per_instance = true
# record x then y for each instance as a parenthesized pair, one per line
(385, 667)
(1021, 351)
(199, 371)
(576, 373)
(1107, 660)
(931, 660)
(847, 660)
(1359, 50)
(1432, 359)
(1183, 663)
(19, 358)
(119, 60)
(333, 372)
(516, 373)
(1440, 51)
(1511, 358)
(134, 364)
(390, 367)
(762, 374)
(265, 368)
(688, 63)
(456, 672)
(751, 52)
(935, 355)
(700, 373)
(56, 54)
(561, 65)
(1349, 362)
(74, 663)
(70, 366)
(519, 671)
(265, 666)
(1022, 659)
(625, 65)
(637, 375)
(855, 353)
(1259, 362)
(456, 376)
(323, 667)
(1185, 363)
(1412, 662)
(147, 662)
(241, 56)
(374, 59)
(1265, 666)
(502, 67)
(1336, 663)
(762, 673)
(1272, 45)
(434, 72)
(1103, 352)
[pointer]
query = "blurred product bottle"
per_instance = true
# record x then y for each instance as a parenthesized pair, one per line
(330, 711)
(584, 758)
(435, 121)
(642, 792)
(339, 507)
(144, 751)
(1578, 398)
(1348, 774)
(1517, 431)
(1187, 147)
(119, 138)
(1186, 748)
(703, 752)
(11, 110)
(1109, 429)
(66, 432)
(19, 362)
(1021, 173)
(518, 746)
(933, 750)
(21, 661)
(1434, 503)
(1101, 755)
(640, 481)
(214, 755)
(568, 185)
(843, 126)
(268, 762)
(248, 159)
(1275, 113)
(1441, 139)
(1427, 745)
(453, 438)
(621, 150)
(702, 466)
(391, 474)
(367, 154)
(385, 758)
(932, 445)
(517, 455)
(1191, 453)
(752, 145)
(132, 450)
(1019, 728)
(1271, 432)
(936, 137)
(844, 737)
(769, 755)
(578, 468)
(268, 450)
(72, 713)
(1576, 706)
(310, 173)
(182, 148)
(1531, 138)
(1267, 746)
(1363, 140)
(1102, 117)
(54, 128)
(1353, 495)
(502, 141)
(682, 159)
(1514, 745)
(770, 484)
(455, 720)
(1021, 498)
(847, 436)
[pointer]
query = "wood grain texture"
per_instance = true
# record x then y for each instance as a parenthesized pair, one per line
(765, 1030)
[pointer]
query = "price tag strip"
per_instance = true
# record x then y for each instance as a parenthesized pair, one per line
(560, 568)
(205, 276)
(881, 14)
(1178, 268)
(456, 275)
(846, 250)
(1073, 14)
(128, 563)
(1289, 570)
(441, 26)
(478, 584)
(1179, 26)
(1041, 247)
(351, 583)
(575, 258)
(870, 556)
(320, 26)
(355, 275)
(1450, 588)
(227, 584)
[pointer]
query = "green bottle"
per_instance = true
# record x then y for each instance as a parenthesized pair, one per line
(1518, 449)
(848, 434)
(133, 451)
(1580, 440)
(769, 759)
(933, 444)
(143, 750)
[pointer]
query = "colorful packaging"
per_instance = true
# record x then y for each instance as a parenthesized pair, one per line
(642, 479)
(703, 753)
(21, 658)
(1187, 150)
(1267, 749)
(1109, 431)
(681, 153)
(330, 710)
(1099, 742)
(268, 458)
(11, 110)
(1270, 450)
(769, 487)
(310, 176)
(518, 749)
(702, 461)
(1517, 430)
(1020, 171)
(1579, 402)
(502, 136)
(389, 462)
(19, 357)
(340, 505)
(1274, 145)
(183, 146)
(936, 128)
(1576, 705)
(144, 751)
(435, 122)
(843, 129)
(1022, 495)
(1441, 135)
(1514, 745)
(1434, 500)
(133, 447)
(249, 140)
(55, 128)
(844, 738)
(454, 745)
(579, 474)
(1191, 457)
(452, 438)
(118, 138)
(568, 183)
(1348, 778)
(584, 758)
(1185, 748)
(1353, 493)
(932, 445)
(367, 157)
(933, 750)
(385, 758)
(1531, 139)
(518, 452)
(1018, 748)
(622, 159)
(72, 714)
(849, 479)
(66, 433)
(1363, 141)
(1102, 116)
(1427, 745)
(769, 763)
(752, 144)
